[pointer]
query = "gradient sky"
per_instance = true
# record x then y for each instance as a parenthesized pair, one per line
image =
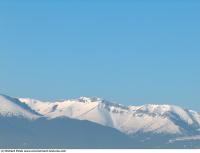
(131, 52)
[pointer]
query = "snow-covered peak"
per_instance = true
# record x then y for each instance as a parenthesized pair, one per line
(13, 107)
(170, 111)
(154, 108)
(89, 100)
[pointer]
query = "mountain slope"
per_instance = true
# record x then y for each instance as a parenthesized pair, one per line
(160, 119)
(13, 107)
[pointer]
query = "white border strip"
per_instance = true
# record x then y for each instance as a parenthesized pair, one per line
(99, 150)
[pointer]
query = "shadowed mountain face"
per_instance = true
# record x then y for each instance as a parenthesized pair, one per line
(59, 133)
(95, 123)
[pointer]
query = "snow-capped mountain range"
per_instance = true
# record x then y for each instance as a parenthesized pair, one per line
(150, 118)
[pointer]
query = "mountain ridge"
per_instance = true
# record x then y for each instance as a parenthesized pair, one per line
(169, 126)
(14, 107)
(167, 119)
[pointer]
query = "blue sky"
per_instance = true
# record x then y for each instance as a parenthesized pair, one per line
(132, 52)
